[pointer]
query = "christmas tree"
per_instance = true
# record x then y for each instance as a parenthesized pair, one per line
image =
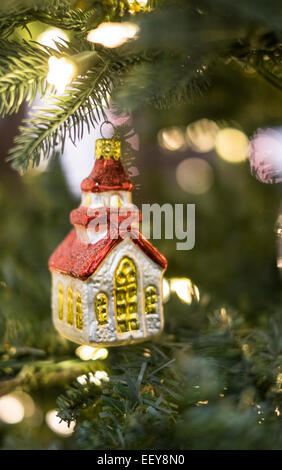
(198, 78)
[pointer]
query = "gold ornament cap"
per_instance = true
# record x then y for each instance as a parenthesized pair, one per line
(107, 148)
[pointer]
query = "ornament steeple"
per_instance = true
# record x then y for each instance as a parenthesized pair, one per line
(108, 173)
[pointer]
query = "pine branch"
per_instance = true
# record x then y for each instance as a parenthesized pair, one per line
(35, 373)
(81, 105)
(143, 387)
(23, 70)
(49, 126)
(174, 67)
(269, 65)
(57, 13)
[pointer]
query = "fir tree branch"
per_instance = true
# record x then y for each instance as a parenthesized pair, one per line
(57, 13)
(23, 70)
(269, 65)
(80, 106)
(34, 373)
(22, 74)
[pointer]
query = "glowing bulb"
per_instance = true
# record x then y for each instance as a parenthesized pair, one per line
(97, 378)
(232, 145)
(185, 289)
(58, 426)
(194, 175)
(172, 138)
(94, 380)
(166, 290)
(11, 409)
(51, 36)
(100, 353)
(102, 375)
(182, 287)
(61, 73)
(113, 34)
(82, 379)
(86, 353)
(201, 135)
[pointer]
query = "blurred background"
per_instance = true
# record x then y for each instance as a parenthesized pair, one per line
(193, 153)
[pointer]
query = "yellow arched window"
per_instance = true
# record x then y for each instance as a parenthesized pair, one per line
(101, 308)
(125, 294)
(60, 301)
(70, 305)
(79, 312)
(151, 300)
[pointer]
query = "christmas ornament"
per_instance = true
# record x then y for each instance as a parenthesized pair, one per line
(106, 276)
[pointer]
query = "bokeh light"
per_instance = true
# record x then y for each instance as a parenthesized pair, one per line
(58, 426)
(86, 353)
(11, 409)
(201, 135)
(61, 72)
(185, 290)
(172, 138)
(194, 175)
(232, 145)
(50, 36)
(113, 34)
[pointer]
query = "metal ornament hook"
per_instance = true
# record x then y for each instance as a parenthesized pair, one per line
(101, 127)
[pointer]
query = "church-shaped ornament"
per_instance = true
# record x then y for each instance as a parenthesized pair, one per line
(106, 276)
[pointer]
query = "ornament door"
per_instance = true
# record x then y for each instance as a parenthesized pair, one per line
(125, 294)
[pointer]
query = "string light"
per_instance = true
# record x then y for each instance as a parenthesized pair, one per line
(61, 73)
(51, 36)
(232, 145)
(64, 69)
(58, 426)
(87, 353)
(194, 176)
(172, 139)
(113, 34)
(97, 378)
(185, 289)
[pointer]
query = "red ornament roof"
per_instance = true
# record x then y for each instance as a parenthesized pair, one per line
(107, 175)
(80, 260)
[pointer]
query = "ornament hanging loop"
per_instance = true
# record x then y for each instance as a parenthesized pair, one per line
(101, 129)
